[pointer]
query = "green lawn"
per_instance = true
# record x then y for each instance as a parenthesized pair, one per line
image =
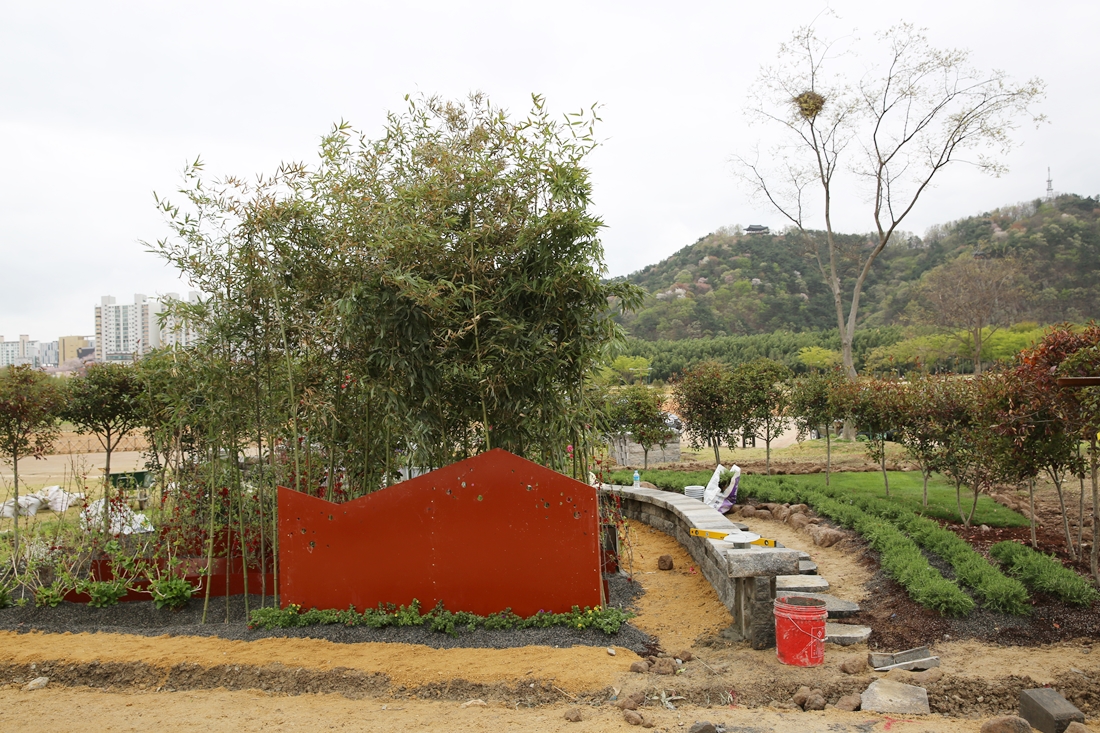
(906, 491)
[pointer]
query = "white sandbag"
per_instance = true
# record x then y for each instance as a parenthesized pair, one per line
(58, 499)
(123, 519)
(28, 506)
(712, 486)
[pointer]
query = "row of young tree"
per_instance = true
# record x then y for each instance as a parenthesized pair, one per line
(1006, 426)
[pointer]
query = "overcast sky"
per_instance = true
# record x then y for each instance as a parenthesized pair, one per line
(101, 104)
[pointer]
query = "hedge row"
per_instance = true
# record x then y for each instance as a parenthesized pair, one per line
(997, 591)
(607, 620)
(899, 556)
(1043, 573)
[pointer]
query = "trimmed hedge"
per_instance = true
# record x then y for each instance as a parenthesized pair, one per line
(899, 556)
(997, 591)
(1044, 573)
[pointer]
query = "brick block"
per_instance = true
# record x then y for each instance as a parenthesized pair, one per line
(1046, 710)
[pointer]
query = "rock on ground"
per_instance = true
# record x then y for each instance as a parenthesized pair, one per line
(1006, 724)
(848, 703)
(664, 562)
(37, 683)
(855, 664)
(1075, 727)
(665, 666)
(888, 696)
(573, 715)
(632, 717)
(641, 667)
(702, 726)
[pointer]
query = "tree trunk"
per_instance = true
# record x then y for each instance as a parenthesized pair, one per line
(958, 500)
(882, 463)
(924, 474)
(973, 508)
(15, 514)
(645, 458)
(716, 458)
(767, 456)
(978, 353)
(1094, 558)
(1081, 517)
(1031, 501)
(828, 454)
(107, 486)
(1057, 477)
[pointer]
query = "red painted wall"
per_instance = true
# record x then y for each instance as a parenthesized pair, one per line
(492, 532)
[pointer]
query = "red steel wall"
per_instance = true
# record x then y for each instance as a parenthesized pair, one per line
(492, 532)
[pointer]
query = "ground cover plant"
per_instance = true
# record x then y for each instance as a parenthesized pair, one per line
(906, 492)
(607, 619)
(667, 479)
(1044, 574)
(899, 556)
(997, 591)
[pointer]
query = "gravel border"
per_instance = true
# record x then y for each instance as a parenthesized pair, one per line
(144, 619)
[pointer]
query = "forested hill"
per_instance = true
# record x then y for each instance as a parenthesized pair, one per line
(728, 283)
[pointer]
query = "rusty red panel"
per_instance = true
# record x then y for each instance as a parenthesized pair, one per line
(492, 532)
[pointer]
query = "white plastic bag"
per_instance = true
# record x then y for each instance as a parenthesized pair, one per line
(721, 500)
(58, 499)
(712, 486)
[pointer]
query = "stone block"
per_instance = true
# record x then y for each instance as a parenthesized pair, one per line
(801, 584)
(887, 696)
(756, 560)
(912, 659)
(846, 634)
(836, 607)
(1046, 710)
(807, 567)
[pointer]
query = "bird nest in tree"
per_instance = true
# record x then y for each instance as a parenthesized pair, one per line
(809, 104)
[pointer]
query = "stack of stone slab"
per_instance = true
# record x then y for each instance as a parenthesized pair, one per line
(746, 577)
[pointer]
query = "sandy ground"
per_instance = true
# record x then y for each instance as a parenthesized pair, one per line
(82, 709)
(134, 676)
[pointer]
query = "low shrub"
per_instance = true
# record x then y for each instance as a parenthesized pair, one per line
(1044, 573)
(899, 556)
(997, 591)
(607, 620)
(104, 593)
(171, 593)
(662, 479)
(49, 596)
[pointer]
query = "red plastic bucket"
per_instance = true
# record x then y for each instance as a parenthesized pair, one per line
(800, 630)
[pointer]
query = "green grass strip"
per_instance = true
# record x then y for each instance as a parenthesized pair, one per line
(607, 620)
(997, 591)
(1044, 573)
(899, 556)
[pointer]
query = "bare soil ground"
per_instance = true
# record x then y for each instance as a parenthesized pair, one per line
(131, 682)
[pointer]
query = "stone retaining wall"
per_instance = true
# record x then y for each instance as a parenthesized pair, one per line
(742, 575)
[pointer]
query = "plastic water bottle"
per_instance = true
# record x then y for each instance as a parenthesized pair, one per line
(637, 481)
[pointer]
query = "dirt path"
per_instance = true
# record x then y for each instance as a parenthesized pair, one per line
(220, 711)
(679, 605)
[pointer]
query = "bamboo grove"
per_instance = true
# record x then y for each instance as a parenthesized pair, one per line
(401, 304)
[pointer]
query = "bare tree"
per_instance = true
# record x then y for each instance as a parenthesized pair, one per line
(913, 110)
(972, 296)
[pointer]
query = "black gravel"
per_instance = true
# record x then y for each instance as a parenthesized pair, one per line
(143, 618)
